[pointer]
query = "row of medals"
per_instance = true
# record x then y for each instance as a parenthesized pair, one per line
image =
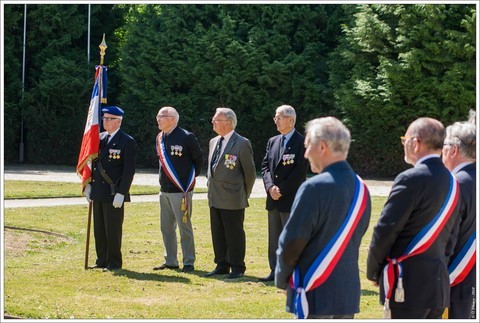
(288, 159)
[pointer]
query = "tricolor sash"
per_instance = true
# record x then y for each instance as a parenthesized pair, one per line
(172, 174)
(420, 243)
(323, 265)
(463, 262)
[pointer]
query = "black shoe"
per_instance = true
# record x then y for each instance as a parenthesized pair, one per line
(234, 275)
(111, 269)
(188, 268)
(268, 278)
(165, 266)
(218, 271)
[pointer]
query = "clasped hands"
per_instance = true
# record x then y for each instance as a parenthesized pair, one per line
(117, 200)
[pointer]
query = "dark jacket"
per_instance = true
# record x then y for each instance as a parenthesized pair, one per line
(416, 197)
(287, 174)
(118, 160)
(320, 207)
(183, 151)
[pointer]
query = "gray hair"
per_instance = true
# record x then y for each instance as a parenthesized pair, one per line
(472, 116)
(464, 135)
(430, 131)
(287, 111)
(229, 115)
(330, 130)
(172, 112)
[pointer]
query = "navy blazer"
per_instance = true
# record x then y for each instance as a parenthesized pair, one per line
(287, 174)
(467, 223)
(118, 160)
(416, 197)
(320, 207)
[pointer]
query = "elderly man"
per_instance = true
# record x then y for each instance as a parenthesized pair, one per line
(459, 156)
(317, 255)
(112, 177)
(409, 242)
(180, 161)
(284, 168)
(231, 175)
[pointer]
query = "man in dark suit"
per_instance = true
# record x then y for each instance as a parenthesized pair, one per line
(317, 255)
(112, 176)
(459, 156)
(410, 241)
(231, 175)
(284, 168)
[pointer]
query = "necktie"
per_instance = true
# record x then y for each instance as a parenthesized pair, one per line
(282, 144)
(216, 155)
(104, 141)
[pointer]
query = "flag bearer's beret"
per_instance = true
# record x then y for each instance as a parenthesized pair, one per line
(113, 110)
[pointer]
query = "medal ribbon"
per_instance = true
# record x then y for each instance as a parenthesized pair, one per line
(463, 262)
(323, 265)
(172, 173)
(420, 243)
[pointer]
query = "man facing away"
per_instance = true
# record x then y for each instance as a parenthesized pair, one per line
(112, 177)
(231, 175)
(317, 255)
(409, 243)
(180, 161)
(284, 168)
(459, 156)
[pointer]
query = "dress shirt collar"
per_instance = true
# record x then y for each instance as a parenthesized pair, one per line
(424, 158)
(460, 166)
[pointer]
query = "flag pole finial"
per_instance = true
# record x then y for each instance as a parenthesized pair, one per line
(103, 46)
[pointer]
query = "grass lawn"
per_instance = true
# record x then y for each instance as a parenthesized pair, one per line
(39, 189)
(44, 276)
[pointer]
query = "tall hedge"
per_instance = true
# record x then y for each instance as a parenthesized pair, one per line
(398, 63)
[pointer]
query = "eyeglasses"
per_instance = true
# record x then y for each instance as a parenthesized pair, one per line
(404, 139)
(163, 116)
(109, 118)
(218, 120)
(275, 119)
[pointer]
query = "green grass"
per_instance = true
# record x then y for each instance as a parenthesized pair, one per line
(15, 189)
(45, 278)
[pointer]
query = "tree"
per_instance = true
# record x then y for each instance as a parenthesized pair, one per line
(395, 64)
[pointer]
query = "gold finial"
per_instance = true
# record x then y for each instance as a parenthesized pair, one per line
(103, 47)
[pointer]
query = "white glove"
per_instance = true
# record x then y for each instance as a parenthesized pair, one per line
(118, 200)
(86, 192)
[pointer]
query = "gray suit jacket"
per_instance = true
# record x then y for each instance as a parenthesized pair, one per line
(232, 181)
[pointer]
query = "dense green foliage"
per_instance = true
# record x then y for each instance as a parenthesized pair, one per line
(377, 67)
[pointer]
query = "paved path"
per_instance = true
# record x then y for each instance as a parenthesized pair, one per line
(142, 177)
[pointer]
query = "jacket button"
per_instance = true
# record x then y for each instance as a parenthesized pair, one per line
(276, 176)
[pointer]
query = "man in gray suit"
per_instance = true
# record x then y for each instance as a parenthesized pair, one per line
(231, 175)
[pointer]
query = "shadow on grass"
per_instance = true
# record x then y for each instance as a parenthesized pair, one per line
(150, 276)
(366, 292)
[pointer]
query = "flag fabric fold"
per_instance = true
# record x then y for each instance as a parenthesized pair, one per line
(91, 135)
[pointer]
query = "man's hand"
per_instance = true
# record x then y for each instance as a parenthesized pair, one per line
(87, 191)
(274, 192)
(118, 200)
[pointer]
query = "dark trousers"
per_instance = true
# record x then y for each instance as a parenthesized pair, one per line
(462, 310)
(276, 222)
(426, 313)
(107, 229)
(228, 238)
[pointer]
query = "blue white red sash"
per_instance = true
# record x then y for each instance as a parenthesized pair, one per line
(463, 262)
(322, 267)
(170, 170)
(420, 243)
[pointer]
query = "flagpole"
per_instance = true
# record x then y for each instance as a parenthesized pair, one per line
(103, 47)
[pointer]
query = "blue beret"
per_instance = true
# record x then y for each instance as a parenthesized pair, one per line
(113, 110)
